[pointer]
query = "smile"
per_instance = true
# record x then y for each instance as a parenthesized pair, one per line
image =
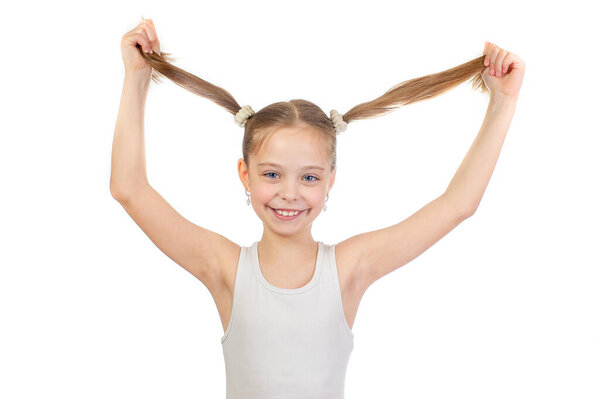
(282, 217)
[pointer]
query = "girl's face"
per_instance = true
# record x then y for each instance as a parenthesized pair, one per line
(291, 171)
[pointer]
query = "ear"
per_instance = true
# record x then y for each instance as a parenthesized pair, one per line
(243, 172)
(332, 179)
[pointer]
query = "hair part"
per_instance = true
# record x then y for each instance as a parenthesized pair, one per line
(296, 112)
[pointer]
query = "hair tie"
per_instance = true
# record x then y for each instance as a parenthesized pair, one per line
(338, 122)
(243, 114)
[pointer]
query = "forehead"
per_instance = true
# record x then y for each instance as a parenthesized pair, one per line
(294, 147)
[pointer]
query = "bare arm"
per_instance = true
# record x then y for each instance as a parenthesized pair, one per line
(473, 175)
(382, 251)
(128, 165)
(200, 251)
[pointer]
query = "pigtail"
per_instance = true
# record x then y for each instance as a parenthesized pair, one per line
(259, 125)
(162, 66)
(419, 89)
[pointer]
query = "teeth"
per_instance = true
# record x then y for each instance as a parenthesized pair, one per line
(285, 213)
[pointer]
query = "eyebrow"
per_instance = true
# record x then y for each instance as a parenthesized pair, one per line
(277, 165)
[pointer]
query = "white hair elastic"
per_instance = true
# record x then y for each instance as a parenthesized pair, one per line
(243, 114)
(246, 112)
(338, 122)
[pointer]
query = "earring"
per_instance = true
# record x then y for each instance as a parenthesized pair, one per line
(325, 207)
(248, 200)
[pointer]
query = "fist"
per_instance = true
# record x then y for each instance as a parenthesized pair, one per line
(140, 39)
(504, 73)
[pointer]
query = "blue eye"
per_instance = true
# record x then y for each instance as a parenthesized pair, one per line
(314, 180)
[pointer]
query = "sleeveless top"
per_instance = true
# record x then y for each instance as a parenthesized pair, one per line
(286, 343)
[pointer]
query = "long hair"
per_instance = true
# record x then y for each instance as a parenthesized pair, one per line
(293, 112)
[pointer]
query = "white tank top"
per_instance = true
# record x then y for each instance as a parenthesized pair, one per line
(286, 343)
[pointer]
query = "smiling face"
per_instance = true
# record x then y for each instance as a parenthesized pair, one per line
(290, 171)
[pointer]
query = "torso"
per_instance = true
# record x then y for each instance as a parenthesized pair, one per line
(352, 291)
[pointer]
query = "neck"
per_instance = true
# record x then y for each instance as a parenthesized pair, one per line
(294, 249)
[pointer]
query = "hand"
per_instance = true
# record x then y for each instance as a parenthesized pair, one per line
(504, 73)
(142, 38)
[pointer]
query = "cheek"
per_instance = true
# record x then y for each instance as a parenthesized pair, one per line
(263, 193)
(315, 198)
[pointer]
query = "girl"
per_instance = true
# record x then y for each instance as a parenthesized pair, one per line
(287, 302)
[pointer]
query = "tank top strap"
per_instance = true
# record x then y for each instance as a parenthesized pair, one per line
(331, 284)
(243, 278)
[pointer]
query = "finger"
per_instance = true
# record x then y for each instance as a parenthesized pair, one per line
(498, 64)
(141, 37)
(157, 45)
(156, 42)
(151, 22)
(148, 31)
(493, 54)
(149, 34)
(135, 38)
(486, 60)
(517, 62)
(145, 42)
(149, 25)
(508, 59)
(151, 29)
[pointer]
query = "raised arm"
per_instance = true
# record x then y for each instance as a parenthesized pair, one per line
(128, 163)
(382, 251)
(503, 77)
(473, 175)
(201, 252)
(128, 169)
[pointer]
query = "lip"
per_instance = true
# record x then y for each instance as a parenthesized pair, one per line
(281, 217)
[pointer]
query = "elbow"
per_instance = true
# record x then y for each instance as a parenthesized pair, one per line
(464, 209)
(116, 194)
(468, 213)
(470, 209)
(117, 191)
(122, 192)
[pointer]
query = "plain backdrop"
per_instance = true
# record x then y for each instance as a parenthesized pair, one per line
(504, 306)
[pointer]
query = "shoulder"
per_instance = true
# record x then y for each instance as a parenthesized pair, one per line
(346, 257)
(227, 261)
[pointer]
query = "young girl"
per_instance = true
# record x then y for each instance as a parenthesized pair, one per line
(287, 302)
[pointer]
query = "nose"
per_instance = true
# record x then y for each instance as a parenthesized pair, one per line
(289, 191)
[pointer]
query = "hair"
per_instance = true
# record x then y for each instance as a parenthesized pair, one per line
(302, 112)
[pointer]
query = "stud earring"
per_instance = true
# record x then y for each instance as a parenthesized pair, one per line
(325, 207)
(248, 200)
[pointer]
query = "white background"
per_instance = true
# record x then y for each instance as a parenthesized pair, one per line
(504, 306)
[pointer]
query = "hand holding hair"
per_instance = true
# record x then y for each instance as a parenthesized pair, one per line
(504, 72)
(506, 83)
(136, 43)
